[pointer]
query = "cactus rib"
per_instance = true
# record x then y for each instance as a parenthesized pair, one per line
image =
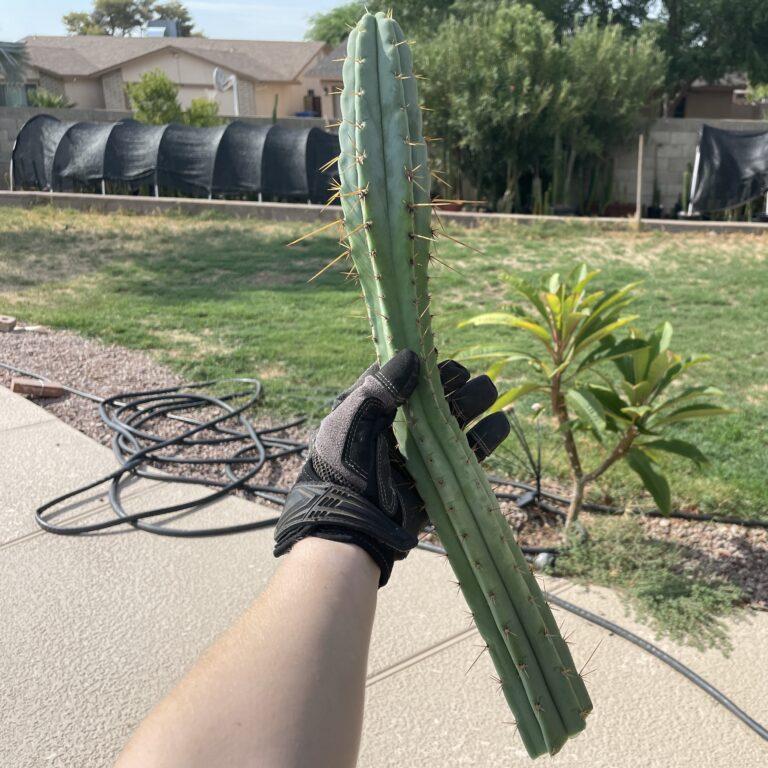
(385, 199)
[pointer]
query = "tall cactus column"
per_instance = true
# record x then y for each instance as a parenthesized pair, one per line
(385, 182)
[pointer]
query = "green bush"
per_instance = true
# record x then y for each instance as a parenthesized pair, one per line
(532, 103)
(40, 97)
(202, 113)
(757, 94)
(155, 99)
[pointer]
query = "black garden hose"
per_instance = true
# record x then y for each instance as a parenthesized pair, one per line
(140, 451)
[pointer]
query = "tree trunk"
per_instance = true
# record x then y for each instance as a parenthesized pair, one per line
(509, 198)
(577, 473)
(577, 499)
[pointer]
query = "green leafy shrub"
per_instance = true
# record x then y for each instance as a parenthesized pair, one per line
(674, 596)
(202, 113)
(605, 381)
(757, 94)
(155, 99)
(533, 104)
(41, 97)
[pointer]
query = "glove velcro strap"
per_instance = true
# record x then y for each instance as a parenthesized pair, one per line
(324, 509)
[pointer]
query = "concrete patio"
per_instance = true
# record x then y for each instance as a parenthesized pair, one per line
(96, 629)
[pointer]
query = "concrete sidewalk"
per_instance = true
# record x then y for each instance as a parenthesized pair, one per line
(94, 630)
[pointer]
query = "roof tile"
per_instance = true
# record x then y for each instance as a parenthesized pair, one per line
(83, 56)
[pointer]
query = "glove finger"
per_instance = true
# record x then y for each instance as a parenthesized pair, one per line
(453, 375)
(348, 439)
(395, 381)
(488, 434)
(474, 398)
(342, 396)
(413, 509)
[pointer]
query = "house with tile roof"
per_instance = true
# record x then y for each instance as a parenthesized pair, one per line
(92, 71)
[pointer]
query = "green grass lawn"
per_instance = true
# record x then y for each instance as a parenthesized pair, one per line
(215, 297)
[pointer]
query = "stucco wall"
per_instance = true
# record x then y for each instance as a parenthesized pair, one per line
(718, 105)
(290, 98)
(194, 77)
(670, 146)
(330, 98)
(84, 93)
(180, 68)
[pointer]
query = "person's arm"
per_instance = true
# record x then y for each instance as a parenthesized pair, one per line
(284, 687)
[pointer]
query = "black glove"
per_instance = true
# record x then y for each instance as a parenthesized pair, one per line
(354, 487)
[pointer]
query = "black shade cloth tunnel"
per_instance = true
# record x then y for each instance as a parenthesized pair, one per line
(273, 160)
(730, 169)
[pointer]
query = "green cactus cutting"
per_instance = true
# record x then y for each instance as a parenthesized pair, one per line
(385, 182)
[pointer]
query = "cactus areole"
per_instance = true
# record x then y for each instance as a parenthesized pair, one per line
(385, 181)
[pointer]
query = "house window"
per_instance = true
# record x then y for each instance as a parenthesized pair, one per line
(313, 106)
(12, 95)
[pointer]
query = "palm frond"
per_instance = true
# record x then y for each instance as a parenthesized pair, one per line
(13, 61)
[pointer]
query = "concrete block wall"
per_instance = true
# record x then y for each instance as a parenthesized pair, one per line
(13, 118)
(670, 146)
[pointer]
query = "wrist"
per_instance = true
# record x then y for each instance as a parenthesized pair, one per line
(337, 559)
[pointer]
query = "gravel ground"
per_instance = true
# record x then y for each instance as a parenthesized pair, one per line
(736, 553)
(104, 370)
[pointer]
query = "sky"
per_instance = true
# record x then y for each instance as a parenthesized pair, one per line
(238, 19)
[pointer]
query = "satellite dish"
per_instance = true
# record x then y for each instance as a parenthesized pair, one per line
(225, 81)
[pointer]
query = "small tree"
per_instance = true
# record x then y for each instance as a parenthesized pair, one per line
(122, 17)
(154, 99)
(333, 26)
(628, 414)
(109, 17)
(175, 11)
(82, 23)
(202, 113)
(608, 79)
(495, 113)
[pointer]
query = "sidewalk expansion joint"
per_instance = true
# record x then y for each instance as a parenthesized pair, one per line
(30, 425)
(410, 661)
(100, 509)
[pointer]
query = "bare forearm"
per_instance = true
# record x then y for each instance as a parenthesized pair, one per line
(284, 687)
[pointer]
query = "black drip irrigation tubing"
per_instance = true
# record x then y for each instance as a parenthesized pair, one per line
(603, 509)
(130, 414)
(654, 650)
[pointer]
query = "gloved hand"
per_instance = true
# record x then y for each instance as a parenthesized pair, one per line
(354, 487)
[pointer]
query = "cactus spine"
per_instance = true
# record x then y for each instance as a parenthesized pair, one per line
(385, 182)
